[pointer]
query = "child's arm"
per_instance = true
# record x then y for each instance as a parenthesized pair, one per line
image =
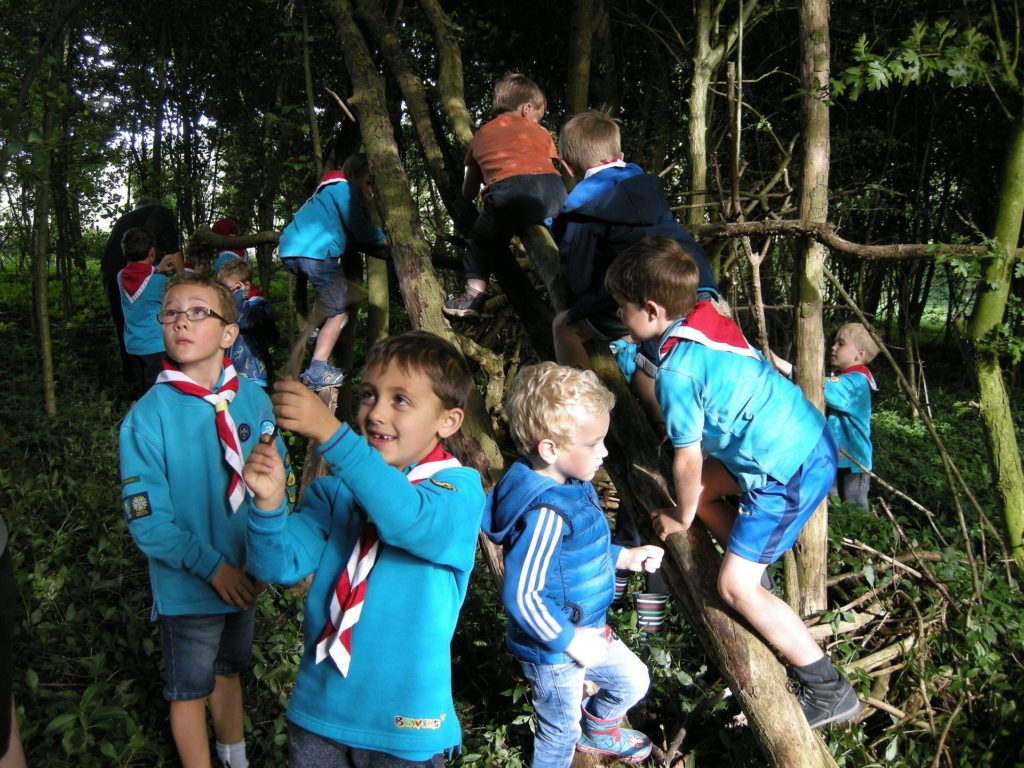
(643, 558)
(782, 366)
(473, 181)
(841, 392)
(686, 470)
(354, 216)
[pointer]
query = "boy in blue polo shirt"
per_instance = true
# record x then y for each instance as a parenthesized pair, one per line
(182, 448)
(765, 442)
(390, 536)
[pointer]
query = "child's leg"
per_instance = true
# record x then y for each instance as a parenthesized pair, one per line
(188, 726)
(717, 516)
(624, 681)
(557, 692)
(328, 336)
(233, 657)
(569, 341)
(226, 709)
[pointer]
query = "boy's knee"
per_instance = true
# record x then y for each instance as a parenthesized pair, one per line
(735, 592)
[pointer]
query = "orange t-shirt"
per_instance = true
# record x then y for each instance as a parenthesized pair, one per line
(510, 145)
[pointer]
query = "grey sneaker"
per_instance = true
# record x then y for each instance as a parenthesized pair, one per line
(329, 376)
(825, 703)
(465, 304)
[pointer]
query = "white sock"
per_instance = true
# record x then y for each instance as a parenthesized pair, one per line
(233, 755)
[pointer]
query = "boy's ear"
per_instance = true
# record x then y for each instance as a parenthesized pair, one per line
(451, 422)
(229, 335)
(652, 309)
(547, 451)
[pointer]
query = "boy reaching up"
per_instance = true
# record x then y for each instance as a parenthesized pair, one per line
(390, 536)
(765, 442)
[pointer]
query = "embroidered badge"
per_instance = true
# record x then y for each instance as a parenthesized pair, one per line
(243, 432)
(833, 379)
(136, 506)
(443, 484)
(419, 723)
(130, 480)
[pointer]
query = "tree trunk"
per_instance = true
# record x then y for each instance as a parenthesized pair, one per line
(41, 161)
(450, 80)
(989, 310)
(314, 128)
(580, 40)
(697, 126)
(810, 340)
(158, 107)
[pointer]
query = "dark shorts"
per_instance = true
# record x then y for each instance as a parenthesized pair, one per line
(771, 517)
(328, 279)
(8, 612)
(310, 750)
(197, 648)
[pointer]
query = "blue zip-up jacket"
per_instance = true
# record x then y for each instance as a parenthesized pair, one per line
(848, 409)
(603, 216)
(250, 354)
(397, 697)
(321, 228)
(174, 491)
(559, 560)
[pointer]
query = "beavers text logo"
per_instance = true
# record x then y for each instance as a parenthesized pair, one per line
(419, 723)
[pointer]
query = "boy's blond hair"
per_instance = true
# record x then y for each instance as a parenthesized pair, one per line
(589, 139)
(546, 401)
(225, 301)
(858, 334)
(429, 354)
(239, 269)
(515, 89)
(655, 269)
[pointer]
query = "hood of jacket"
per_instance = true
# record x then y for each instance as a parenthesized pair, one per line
(626, 196)
(511, 497)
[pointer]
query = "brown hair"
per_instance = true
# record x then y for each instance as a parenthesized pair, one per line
(589, 139)
(515, 89)
(655, 269)
(858, 334)
(225, 301)
(429, 354)
(547, 401)
(240, 269)
(356, 167)
(136, 243)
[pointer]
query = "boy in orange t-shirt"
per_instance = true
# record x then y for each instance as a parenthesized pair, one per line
(514, 158)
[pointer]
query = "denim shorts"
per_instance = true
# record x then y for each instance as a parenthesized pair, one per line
(196, 648)
(328, 279)
(771, 517)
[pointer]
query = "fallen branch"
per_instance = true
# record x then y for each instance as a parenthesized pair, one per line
(883, 656)
(854, 543)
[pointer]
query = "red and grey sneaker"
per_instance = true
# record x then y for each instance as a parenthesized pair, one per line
(469, 303)
(606, 737)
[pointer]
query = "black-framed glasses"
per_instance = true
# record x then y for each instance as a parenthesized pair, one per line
(192, 314)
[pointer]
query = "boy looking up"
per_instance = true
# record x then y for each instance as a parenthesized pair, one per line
(513, 157)
(848, 408)
(332, 219)
(560, 568)
(182, 449)
(250, 354)
(390, 537)
(765, 442)
(141, 287)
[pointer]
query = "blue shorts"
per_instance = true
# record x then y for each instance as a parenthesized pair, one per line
(196, 648)
(328, 279)
(771, 517)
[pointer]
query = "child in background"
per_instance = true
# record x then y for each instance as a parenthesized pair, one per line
(560, 568)
(513, 157)
(250, 354)
(720, 396)
(182, 449)
(141, 286)
(390, 536)
(332, 219)
(848, 408)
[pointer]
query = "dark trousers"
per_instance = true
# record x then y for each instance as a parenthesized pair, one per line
(854, 486)
(309, 750)
(509, 207)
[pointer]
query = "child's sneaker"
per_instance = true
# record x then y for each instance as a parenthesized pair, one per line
(824, 703)
(322, 377)
(605, 737)
(469, 303)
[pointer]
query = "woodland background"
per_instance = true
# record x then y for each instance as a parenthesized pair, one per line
(838, 162)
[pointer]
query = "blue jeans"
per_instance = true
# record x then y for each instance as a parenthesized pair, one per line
(557, 693)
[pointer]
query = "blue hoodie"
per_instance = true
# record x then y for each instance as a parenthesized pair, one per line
(603, 216)
(559, 560)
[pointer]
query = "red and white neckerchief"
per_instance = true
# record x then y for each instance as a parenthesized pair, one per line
(331, 177)
(226, 430)
(350, 591)
(135, 277)
(708, 328)
(861, 369)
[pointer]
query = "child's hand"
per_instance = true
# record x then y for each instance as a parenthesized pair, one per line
(233, 586)
(669, 520)
(300, 410)
(645, 558)
(263, 473)
(589, 646)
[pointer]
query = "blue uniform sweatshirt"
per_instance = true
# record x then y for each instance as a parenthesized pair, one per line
(143, 335)
(174, 492)
(397, 696)
(321, 228)
(848, 408)
(559, 560)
